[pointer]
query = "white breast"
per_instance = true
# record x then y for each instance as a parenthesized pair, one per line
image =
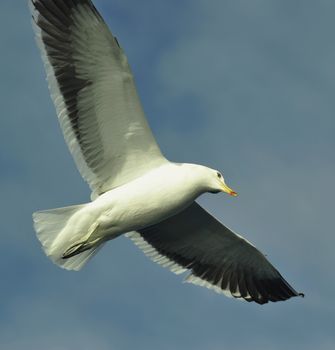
(147, 200)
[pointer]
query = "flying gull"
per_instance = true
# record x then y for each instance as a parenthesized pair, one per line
(136, 191)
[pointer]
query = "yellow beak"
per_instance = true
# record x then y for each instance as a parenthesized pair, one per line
(228, 190)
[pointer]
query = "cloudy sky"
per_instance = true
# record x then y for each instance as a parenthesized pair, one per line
(245, 86)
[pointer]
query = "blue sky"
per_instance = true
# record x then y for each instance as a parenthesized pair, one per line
(244, 86)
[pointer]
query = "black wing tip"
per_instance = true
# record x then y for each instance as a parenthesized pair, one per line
(260, 291)
(58, 13)
(65, 4)
(266, 301)
(277, 290)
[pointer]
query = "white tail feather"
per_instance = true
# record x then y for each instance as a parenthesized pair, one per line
(49, 225)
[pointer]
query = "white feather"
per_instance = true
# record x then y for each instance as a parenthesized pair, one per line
(113, 127)
(50, 225)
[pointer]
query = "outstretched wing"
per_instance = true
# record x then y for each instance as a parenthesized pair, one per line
(216, 257)
(93, 89)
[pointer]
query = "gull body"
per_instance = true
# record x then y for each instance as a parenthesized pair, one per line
(136, 191)
(155, 196)
(145, 201)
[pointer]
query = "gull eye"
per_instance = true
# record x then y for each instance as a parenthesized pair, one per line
(219, 175)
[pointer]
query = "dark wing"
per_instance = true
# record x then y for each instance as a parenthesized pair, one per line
(94, 93)
(216, 257)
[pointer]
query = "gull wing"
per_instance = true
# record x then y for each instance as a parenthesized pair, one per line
(217, 258)
(94, 93)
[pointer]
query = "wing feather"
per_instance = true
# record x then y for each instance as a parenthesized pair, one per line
(216, 257)
(94, 93)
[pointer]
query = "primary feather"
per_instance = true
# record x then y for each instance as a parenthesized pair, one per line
(94, 93)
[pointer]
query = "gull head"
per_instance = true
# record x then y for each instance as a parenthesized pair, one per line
(216, 183)
(209, 180)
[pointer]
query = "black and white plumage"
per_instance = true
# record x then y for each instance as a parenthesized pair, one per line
(94, 93)
(135, 190)
(217, 258)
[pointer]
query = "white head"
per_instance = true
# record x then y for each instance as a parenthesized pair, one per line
(210, 180)
(217, 183)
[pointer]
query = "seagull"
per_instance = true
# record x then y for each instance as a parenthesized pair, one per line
(136, 191)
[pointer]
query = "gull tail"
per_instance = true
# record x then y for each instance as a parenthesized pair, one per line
(50, 230)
